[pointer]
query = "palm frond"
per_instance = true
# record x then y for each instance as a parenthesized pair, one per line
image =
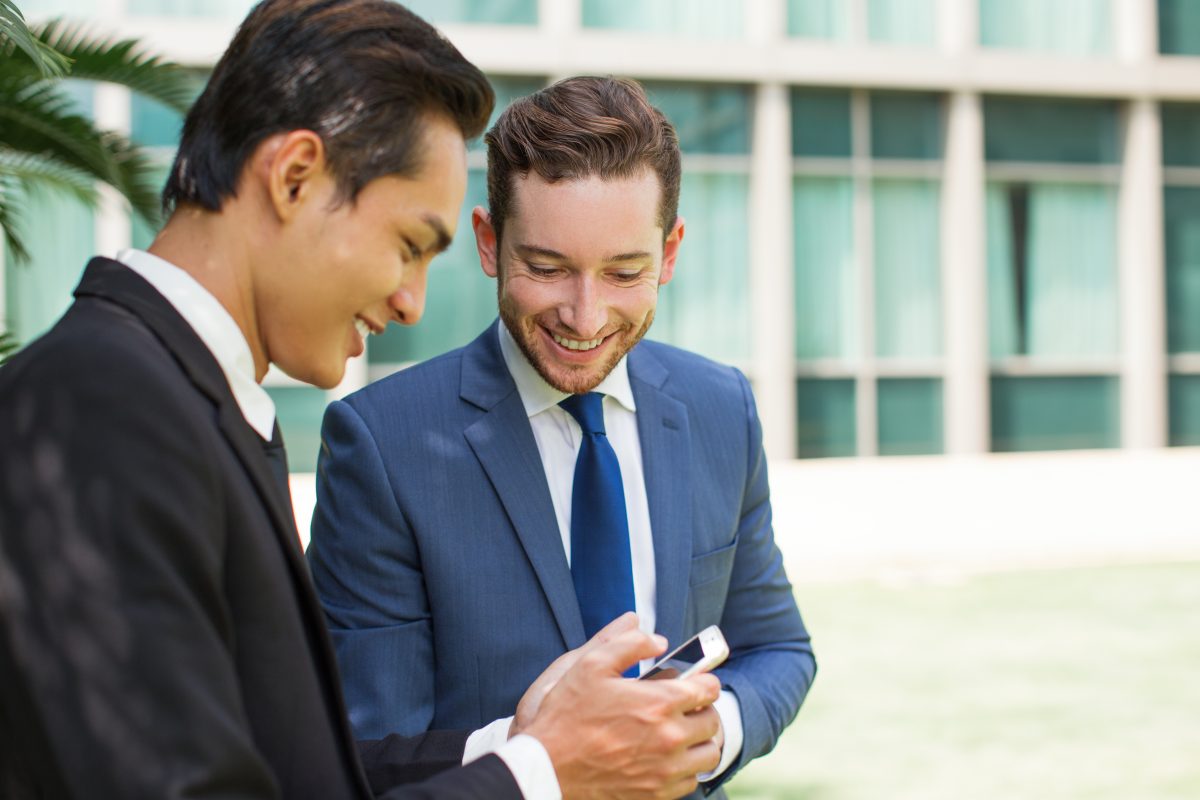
(9, 222)
(124, 62)
(8, 345)
(29, 169)
(15, 37)
(37, 118)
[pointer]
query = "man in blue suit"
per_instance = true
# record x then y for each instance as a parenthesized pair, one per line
(482, 513)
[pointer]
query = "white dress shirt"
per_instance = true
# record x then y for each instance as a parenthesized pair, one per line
(525, 756)
(558, 438)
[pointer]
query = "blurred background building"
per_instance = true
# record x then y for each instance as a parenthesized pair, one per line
(955, 234)
(919, 226)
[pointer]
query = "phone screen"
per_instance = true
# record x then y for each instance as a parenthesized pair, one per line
(679, 661)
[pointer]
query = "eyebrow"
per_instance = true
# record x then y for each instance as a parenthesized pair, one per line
(532, 251)
(439, 228)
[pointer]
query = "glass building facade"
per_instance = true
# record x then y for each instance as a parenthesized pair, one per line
(913, 223)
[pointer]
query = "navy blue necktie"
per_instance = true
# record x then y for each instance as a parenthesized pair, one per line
(601, 565)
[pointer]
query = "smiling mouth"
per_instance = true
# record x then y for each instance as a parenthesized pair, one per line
(577, 344)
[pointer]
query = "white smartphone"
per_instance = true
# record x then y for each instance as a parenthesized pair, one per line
(703, 652)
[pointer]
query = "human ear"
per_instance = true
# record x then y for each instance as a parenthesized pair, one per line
(671, 252)
(485, 241)
(295, 165)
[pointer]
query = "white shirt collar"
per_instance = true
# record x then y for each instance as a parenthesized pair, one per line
(215, 327)
(537, 395)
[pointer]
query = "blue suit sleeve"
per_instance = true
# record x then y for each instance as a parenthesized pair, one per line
(771, 664)
(367, 570)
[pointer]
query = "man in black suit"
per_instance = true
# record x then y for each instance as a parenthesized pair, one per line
(159, 635)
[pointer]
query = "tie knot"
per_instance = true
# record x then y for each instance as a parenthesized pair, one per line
(588, 411)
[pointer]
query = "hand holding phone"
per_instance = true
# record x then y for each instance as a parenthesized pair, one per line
(703, 652)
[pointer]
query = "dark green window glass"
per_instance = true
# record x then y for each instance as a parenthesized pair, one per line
(821, 123)
(1179, 27)
(710, 119)
(1057, 131)
(1059, 413)
(908, 268)
(825, 422)
(719, 19)
(910, 416)
(906, 125)
(299, 410)
(489, 12)
(826, 284)
(1184, 400)
(1181, 134)
(1181, 217)
(460, 300)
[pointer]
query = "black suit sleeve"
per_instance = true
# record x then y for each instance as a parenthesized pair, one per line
(433, 758)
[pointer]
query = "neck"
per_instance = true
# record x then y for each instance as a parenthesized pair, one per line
(203, 244)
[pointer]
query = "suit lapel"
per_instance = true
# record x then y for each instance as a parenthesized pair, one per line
(666, 461)
(119, 284)
(503, 442)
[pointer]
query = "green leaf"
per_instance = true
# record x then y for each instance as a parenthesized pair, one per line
(122, 62)
(8, 345)
(9, 223)
(16, 36)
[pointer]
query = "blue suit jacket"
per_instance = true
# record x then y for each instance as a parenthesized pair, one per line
(436, 551)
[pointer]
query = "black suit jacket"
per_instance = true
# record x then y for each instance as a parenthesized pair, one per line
(159, 634)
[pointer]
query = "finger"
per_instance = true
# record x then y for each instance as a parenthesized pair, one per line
(626, 622)
(681, 787)
(701, 758)
(690, 694)
(622, 651)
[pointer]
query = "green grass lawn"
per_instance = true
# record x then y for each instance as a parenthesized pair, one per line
(1055, 684)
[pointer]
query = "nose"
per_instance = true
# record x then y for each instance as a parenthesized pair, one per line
(583, 310)
(408, 301)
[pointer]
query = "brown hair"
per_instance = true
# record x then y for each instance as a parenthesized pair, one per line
(581, 127)
(362, 74)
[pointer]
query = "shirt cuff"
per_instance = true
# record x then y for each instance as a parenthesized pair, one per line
(524, 756)
(730, 711)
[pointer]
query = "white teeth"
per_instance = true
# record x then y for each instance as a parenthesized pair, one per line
(363, 328)
(575, 344)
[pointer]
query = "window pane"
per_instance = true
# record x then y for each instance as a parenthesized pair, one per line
(221, 9)
(142, 233)
(821, 123)
(910, 416)
(1179, 27)
(154, 125)
(1060, 130)
(826, 286)
(1184, 393)
(911, 22)
(706, 306)
(460, 300)
(299, 410)
(507, 90)
(1065, 27)
(825, 424)
(500, 12)
(1181, 134)
(1051, 269)
(721, 19)
(1181, 212)
(1065, 413)
(906, 125)
(908, 297)
(818, 19)
(59, 233)
(708, 118)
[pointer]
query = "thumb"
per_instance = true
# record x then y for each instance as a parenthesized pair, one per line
(623, 650)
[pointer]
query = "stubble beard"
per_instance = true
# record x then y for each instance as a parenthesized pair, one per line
(571, 379)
